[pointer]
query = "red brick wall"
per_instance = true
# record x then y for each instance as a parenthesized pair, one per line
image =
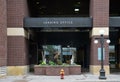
(16, 11)
(17, 53)
(55, 70)
(94, 52)
(3, 33)
(100, 12)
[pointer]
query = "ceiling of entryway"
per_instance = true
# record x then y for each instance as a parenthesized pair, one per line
(39, 8)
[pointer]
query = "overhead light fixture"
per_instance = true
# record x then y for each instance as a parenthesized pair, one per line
(76, 10)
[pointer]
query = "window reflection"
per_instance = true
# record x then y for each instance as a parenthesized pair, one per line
(59, 54)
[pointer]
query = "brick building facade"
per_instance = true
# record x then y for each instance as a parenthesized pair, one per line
(14, 37)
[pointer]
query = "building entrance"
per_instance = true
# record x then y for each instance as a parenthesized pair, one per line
(114, 59)
(114, 50)
(60, 47)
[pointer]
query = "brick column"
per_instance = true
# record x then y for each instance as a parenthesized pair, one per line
(99, 11)
(3, 33)
(17, 51)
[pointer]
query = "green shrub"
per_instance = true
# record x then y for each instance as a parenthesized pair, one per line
(59, 62)
(43, 63)
(51, 63)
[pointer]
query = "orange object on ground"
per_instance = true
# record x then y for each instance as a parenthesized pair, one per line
(62, 74)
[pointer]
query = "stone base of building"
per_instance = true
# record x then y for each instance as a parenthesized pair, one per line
(3, 71)
(17, 70)
(94, 69)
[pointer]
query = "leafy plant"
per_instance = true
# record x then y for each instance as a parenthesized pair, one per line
(43, 63)
(59, 62)
(51, 63)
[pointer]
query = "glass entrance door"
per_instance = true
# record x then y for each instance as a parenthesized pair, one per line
(112, 56)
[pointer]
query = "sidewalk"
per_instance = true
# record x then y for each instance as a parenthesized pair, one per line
(70, 78)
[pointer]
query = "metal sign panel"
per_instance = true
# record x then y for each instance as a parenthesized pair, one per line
(65, 22)
(58, 22)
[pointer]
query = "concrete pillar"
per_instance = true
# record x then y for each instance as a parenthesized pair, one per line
(95, 63)
(16, 34)
(99, 11)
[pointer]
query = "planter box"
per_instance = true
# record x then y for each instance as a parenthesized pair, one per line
(39, 70)
(75, 70)
(55, 70)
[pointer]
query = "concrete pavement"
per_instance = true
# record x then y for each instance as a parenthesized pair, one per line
(70, 78)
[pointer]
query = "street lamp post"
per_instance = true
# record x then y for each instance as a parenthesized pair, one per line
(102, 71)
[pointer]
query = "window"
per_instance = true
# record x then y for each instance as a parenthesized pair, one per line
(59, 54)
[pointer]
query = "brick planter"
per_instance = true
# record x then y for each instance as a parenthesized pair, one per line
(55, 70)
(39, 70)
(75, 70)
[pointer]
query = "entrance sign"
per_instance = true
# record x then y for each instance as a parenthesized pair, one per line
(57, 22)
(40, 22)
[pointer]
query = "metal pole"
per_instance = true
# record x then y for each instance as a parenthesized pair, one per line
(102, 71)
(102, 43)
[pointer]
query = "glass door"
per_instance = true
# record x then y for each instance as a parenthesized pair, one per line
(112, 56)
